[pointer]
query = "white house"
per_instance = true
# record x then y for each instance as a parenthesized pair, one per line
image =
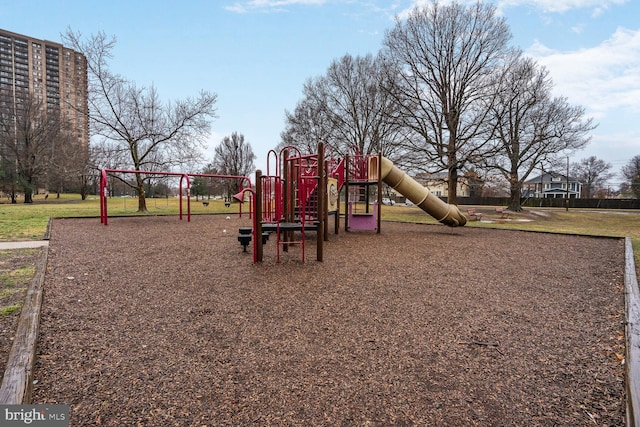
(551, 185)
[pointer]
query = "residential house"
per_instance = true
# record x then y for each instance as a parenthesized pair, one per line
(438, 184)
(552, 185)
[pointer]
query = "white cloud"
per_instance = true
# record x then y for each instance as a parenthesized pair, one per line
(613, 145)
(605, 79)
(236, 8)
(578, 29)
(559, 6)
(242, 7)
(600, 78)
(278, 3)
(547, 6)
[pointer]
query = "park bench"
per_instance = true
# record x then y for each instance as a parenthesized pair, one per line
(504, 212)
(474, 215)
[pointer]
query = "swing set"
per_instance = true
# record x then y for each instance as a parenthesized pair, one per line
(185, 182)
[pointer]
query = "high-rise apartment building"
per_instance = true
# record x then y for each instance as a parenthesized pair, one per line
(48, 73)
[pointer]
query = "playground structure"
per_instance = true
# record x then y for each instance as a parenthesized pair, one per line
(401, 182)
(304, 191)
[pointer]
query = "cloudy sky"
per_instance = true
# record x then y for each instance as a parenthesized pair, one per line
(257, 54)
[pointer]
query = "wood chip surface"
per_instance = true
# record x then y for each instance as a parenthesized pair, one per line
(159, 322)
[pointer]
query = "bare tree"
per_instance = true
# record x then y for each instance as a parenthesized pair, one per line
(214, 186)
(8, 177)
(306, 125)
(531, 127)
(106, 154)
(348, 108)
(593, 173)
(28, 132)
(155, 135)
(198, 187)
(8, 139)
(631, 172)
(234, 156)
(446, 54)
(69, 166)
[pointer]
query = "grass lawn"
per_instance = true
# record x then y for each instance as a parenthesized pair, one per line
(17, 267)
(29, 221)
(590, 222)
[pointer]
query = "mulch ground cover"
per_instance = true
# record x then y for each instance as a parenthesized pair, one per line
(159, 322)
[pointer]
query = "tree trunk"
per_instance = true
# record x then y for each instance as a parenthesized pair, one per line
(452, 191)
(28, 195)
(142, 202)
(452, 160)
(84, 188)
(514, 196)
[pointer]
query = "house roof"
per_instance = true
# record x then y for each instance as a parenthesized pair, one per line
(548, 176)
(439, 176)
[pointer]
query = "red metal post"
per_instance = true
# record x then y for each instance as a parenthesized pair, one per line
(103, 197)
(321, 192)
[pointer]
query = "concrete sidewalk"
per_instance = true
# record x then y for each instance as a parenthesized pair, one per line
(4, 246)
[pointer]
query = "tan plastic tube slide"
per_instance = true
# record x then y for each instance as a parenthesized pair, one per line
(401, 182)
